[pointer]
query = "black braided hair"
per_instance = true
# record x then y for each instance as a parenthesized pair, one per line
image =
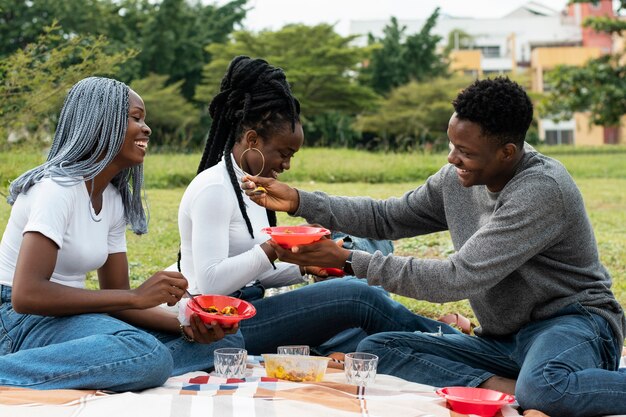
(500, 106)
(253, 95)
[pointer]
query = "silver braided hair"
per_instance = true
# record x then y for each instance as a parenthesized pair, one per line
(90, 133)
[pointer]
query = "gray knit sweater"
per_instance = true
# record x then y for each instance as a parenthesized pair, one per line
(521, 254)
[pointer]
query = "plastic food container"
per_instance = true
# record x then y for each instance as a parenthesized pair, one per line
(289, 236)
(479, 401)
(245, 310)
(295, 368)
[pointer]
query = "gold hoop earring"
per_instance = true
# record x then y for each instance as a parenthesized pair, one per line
(262, 158)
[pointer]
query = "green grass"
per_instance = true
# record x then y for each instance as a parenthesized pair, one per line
(601, 176)
(166, 170)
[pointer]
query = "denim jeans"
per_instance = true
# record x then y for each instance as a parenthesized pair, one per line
(566, 365)
(313, 314)
(92, 351)
(348, 340)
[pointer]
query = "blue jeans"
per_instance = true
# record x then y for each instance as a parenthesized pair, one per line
(566, 365)
(348, 340)
(313, 314)
(92, 351)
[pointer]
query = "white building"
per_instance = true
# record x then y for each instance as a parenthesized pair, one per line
(505, 43)
(532, 37)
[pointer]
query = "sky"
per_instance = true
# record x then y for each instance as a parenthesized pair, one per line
(274, 14)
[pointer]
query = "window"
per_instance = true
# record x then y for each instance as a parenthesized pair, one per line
(611, 135)
(547, 87)
(490, 51)
(595, 6)
(559, 137)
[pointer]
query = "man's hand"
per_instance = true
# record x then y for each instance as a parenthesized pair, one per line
(324, 253)
(271, 194)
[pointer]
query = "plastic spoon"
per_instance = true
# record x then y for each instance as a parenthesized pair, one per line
(194, 300)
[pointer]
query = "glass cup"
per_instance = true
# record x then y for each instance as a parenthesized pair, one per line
(360, 368)
(293, 350)
(230, 362)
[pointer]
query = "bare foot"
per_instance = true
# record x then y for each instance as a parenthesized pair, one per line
(498, 383)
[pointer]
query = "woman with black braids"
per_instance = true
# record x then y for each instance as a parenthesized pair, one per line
(256, 129)
(69, 217)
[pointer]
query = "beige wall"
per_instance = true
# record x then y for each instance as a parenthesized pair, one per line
(545, 59)
(586, 134)
(466, 60)
(571, 55)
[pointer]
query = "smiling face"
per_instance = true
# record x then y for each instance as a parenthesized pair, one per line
(478, 159)
(137, 135)
(278, 149)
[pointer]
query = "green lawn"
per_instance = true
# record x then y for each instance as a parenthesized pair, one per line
(601, 177)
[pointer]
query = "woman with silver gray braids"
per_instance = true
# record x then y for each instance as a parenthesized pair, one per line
(69, 217)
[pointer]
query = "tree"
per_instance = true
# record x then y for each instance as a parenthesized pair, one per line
(22, 22)
(422, 61)
(386, 67)
(174, 38)
(323, 78)
(170, 34)
(397, 61)
(34, 80)
(169, 115)
(598, 87)
(458, 39)
(413, 115)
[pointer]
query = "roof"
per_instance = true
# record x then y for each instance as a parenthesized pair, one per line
(531, 9)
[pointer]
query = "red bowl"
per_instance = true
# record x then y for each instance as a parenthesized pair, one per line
(244, 308)
(289, 236)
(479, 401)
(335, 272)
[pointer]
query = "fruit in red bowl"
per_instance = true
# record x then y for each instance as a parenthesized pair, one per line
(478, 401)
(222, 309)
(289, 236)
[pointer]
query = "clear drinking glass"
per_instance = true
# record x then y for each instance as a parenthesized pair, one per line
(360, 368)
(230, 362)
(293, 350)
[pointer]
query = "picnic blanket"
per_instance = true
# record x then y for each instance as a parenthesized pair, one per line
(199, 394)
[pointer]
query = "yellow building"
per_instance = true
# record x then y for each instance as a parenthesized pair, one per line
(466, 61)
(578, 130)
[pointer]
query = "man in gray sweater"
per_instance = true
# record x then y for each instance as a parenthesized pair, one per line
(551, 330)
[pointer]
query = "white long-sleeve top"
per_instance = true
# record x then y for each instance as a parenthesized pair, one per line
(218, 255)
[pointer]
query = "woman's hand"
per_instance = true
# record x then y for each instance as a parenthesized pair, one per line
(163, 287)
(271, 194)
(317, 273)
(201, 333)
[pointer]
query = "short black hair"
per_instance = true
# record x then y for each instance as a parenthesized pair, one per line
(500, 106)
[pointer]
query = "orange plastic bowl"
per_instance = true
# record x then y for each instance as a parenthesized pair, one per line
(244, 308)
(479, 401)
(289, 236)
